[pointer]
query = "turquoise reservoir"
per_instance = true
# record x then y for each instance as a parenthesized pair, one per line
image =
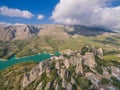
(34, 58)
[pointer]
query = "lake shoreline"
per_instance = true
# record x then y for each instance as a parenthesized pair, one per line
(3, 59)
(30, 56)
(5, 63)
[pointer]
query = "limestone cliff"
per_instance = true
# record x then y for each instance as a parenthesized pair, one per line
(70, 71)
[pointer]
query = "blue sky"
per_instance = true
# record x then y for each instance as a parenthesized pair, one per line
(66, 12)
(116, 3)
(36, 7)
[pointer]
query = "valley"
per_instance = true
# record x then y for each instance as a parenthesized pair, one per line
(55, 57)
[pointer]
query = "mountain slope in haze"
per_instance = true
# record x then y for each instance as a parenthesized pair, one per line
(25, 40)
(17, 32)
(89, 31)
(20, 32)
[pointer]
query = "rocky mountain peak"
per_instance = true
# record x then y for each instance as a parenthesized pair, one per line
(14, 32)
(63, 72)
(17, 32)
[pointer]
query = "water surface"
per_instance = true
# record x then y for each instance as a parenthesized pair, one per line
(35, 58)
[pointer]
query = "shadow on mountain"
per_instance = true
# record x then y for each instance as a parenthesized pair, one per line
(108, 40)
(89, 31)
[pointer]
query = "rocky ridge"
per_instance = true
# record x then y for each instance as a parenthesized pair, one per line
(72, 71)
(21, 32)
(17, 32)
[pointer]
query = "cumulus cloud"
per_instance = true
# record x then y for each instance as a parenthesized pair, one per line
(40, 17)
(5, 11)
(87, 12)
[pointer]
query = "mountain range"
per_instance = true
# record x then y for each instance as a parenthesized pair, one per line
(89, 60)
(20, 32)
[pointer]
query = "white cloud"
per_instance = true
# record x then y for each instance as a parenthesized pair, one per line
(40, 17)
(5, 23)
(18, 24)
(5, 11)
(9, 24)
(87, 12)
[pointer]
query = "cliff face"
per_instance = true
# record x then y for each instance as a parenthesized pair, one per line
(17, 32)
(70, 71)
(63, 68)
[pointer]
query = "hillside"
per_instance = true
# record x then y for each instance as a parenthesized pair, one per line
(73, 70)
(24, 40)
(80, 66)
(11, 77)
(14, 32)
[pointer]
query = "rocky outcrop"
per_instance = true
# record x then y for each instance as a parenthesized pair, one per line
(31, 76)
(115, 72)
(100, 53)
(89, 60)
(17, 32)
(67, 72)
(63, 66)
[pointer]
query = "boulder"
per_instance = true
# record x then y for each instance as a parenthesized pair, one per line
(57, 65)
(67, 63)
(89, 59)
(100, 53)
(115, 72)
(79, 66)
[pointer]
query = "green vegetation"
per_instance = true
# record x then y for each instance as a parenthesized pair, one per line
(83, 83)
(44, 80)
(50, 42)
(60, 40)
(99, 69)
(101, 63)
(104, 81)
(115, 63)
(109, 70)
(115, 82)
(14, 74)
(86, 68)
(86, 49)
(66, 56)
(74, 87)
(72, 69)
(112, 57)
